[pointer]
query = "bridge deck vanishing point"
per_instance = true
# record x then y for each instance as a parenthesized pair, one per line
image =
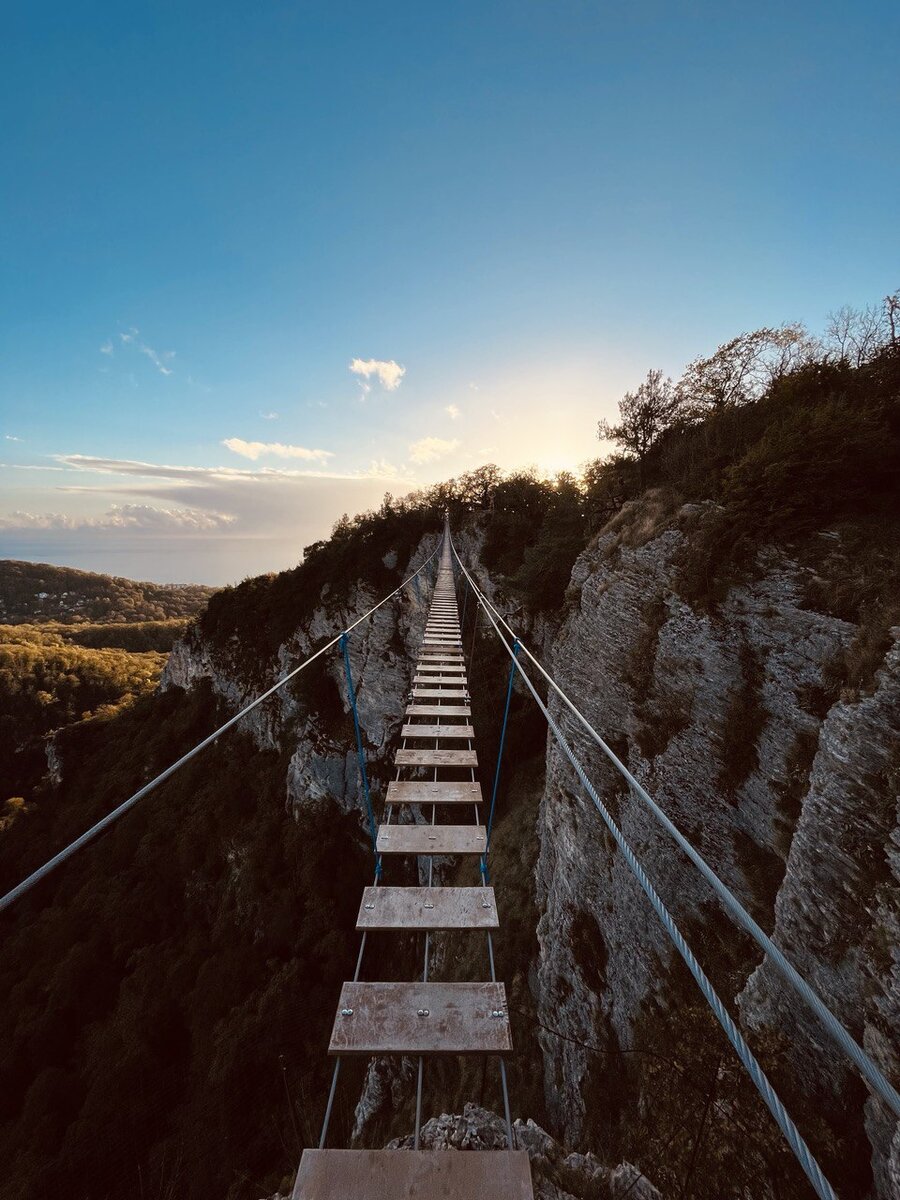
(423, 1018)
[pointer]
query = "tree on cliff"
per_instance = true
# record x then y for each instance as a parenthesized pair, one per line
(743, 368)
(644, 416)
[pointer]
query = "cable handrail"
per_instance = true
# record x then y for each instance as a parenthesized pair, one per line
(88, 836)
(864, 1063)
(794, 1138)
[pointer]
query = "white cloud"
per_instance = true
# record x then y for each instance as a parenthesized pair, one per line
(254, 450)
(160, 359)
(11, 437)
(453, 411)
(429, 449)
(380, 468)
(247, 519)
(270, 416)
(389, 374)
(124, 516)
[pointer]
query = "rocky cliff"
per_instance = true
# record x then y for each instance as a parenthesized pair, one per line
(789, 792)
(309, 715)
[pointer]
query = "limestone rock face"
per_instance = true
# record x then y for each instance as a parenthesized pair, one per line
(726, 720)
(309, 717)
(556, 1175)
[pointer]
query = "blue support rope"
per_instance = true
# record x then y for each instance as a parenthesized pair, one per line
(360, 753)
(509, 692)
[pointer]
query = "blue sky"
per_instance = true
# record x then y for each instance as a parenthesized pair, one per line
(209, 212)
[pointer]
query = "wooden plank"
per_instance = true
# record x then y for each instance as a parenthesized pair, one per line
(431, 839)
(427, 908)
(421, 1018)
(420, 693)
(418, 1174)
(438, 710)
(436, 758)
(441, 668)
(437, 731)
(426, 791)
(441, 680)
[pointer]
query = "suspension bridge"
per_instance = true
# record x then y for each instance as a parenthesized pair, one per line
(435, 806)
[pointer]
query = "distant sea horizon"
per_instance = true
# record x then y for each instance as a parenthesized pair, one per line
(215, 562)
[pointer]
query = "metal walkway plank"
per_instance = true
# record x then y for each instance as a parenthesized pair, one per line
(431, 839)
(414, 791)
(414, 1175)
(423, 693)
(427, 908)
(421, 1018)
(436, 758)
(437, 731)
(438, 710)
(446, 680)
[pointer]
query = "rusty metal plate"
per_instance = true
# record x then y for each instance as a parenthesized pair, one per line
(430, 839)
(414, 1175)
(421, 1018)
(427, 908)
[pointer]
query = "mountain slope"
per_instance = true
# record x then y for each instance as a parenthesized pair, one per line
(38, 592)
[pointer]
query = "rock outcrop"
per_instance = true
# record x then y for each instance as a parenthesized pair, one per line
(726, 720)
(556, 1173)
(308, 716)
